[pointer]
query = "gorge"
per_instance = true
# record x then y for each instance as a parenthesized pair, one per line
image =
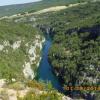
(45, 72)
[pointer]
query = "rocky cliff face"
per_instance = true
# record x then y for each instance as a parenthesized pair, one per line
(33, 53)
(18, 63)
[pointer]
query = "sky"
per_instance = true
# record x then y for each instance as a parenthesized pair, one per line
(9, 2)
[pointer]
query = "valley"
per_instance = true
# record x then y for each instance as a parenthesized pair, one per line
(43, 51)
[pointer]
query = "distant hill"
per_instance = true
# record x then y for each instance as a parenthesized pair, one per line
(32, 7)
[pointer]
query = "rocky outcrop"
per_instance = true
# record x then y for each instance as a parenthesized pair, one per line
(47, 30)
(12, 94)
(33, 55)
(66, 98)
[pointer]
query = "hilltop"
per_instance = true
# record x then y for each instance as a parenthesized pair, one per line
(33, 7)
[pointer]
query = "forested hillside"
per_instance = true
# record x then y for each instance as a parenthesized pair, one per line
(75, 52)
(17, 47)
(32, 7)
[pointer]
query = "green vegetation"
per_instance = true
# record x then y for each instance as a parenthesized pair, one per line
(77, 59)
(32, 7)
(85, 15)
(13, 31)
(12, 60)
(51, 95)
(41, 91)
(75, 52)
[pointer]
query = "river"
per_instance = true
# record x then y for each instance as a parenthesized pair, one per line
(45, 70)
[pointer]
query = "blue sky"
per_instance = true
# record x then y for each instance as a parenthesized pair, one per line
(8, 2)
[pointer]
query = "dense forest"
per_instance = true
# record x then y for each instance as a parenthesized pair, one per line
(75, 52)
